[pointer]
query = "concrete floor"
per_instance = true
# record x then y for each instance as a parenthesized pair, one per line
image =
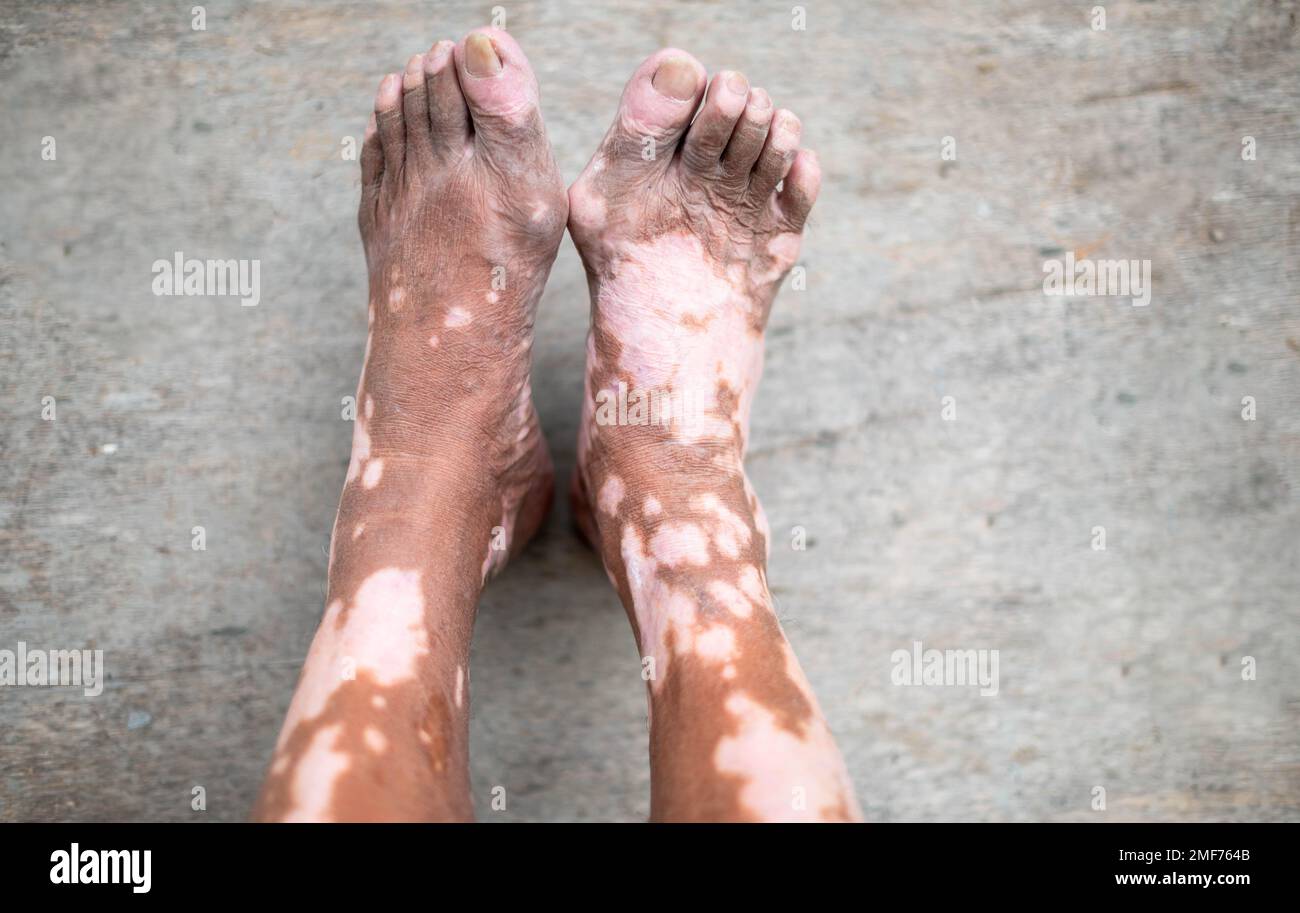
(1119, 669)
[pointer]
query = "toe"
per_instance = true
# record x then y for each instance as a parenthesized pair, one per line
(392, 132)
(372, 157)
(748, 137)
(500, 90)
(415, 112)
(799, 191)
(372, 170)
(709, 134)
(656, 108)
(448, 116)
(775, 159)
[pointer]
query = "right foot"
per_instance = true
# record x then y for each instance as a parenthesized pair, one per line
(462, 211)
(686, 237)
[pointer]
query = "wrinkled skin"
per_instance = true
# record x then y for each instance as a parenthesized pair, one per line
(462, 210)
(684, 254)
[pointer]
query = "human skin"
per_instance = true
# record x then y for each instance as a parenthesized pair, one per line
(462, 211)
(684, 252)
(461, 215)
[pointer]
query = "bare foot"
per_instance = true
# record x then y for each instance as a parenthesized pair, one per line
(462, 210)
(686, 231)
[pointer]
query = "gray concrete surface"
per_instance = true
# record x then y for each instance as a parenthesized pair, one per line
(1119, 668)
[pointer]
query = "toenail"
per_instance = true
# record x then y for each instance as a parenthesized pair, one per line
(480, 56)
(415, 64)
(759, 99)
(676, 78)
(738, 84)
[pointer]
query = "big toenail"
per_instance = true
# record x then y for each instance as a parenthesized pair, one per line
(480, 56)
(738, 84)
(676, 78)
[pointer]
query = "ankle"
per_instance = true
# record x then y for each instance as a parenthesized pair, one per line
(695, 530)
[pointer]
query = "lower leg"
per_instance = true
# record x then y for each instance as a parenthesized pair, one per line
(684, 251)
(735, 730)
(378, 727)
(462, 209)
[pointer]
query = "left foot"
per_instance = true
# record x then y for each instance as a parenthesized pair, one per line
(686, 230)
(462, 211)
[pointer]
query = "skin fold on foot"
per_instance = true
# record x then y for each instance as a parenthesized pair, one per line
(462, 212)
(686, 224)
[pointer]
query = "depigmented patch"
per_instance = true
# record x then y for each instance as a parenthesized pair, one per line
(611, 495)
(680, 543)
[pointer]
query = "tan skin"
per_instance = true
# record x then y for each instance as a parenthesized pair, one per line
(462, 211)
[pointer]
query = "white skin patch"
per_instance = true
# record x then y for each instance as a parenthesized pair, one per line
(459, 317)
(730, 598)
(370, 407)
(774, 762)
(376, 741)
(395, 298)
(760, 518)
(726, 542)
(433, 341)
(379, 702)
(382, 639)
(357, 531)
(611, 495)
(648, 594)
(383, 623)
(716, 644)
(322, 763)
(680, 543)
(661, 350)
(751, 584)
(492, 297)
(360, 449)
(652, 507)
(460, 686)
(374, 472)
(730, 521)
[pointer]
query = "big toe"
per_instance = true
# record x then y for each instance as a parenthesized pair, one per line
(500, 90)
(656, 107)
